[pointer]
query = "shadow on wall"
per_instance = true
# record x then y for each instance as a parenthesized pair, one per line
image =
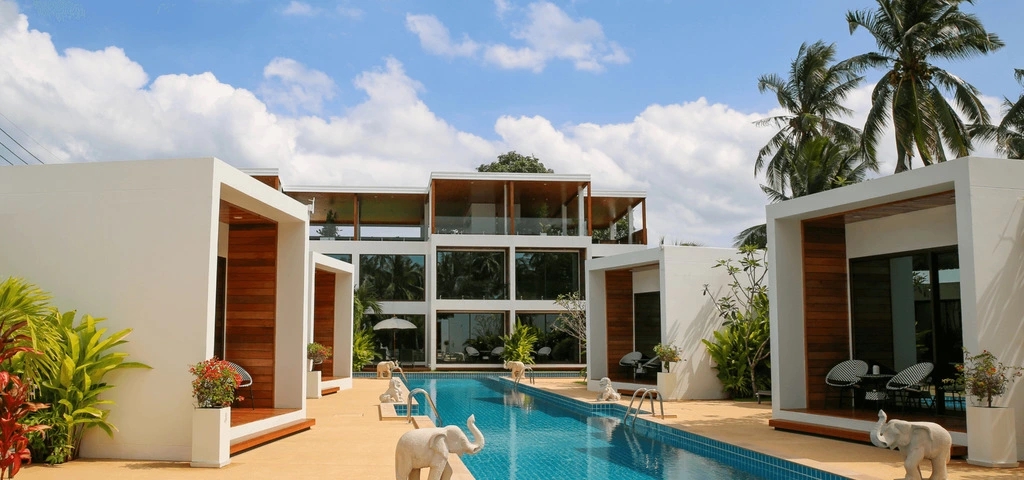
(697, 376)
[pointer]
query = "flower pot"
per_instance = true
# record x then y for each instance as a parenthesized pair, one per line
(313, 385)
(991, 437)
(667, 385)
(211, 437)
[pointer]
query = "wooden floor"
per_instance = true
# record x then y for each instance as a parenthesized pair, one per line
(951, 423)
(242, 416)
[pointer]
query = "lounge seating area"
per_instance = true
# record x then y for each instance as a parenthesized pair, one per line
(909, 388)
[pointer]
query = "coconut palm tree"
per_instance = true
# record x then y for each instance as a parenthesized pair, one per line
(812, 98)
(909, 35)
(1009, 134)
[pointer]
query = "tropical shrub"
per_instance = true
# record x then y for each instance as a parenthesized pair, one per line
(70, 378)
(983, 377)
(318, 353)
(667, 354)
(363, 351)
(214, 383)
(14, 407)
(519, 345)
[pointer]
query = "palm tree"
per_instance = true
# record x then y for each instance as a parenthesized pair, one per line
(1009, 134)
(909, 33)
(812, 97)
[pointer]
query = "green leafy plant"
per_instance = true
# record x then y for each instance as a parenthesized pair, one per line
(742, 350)
(983, 377)
(71, 372)
(363, 351)
(667, 354)
(214, 383)
(329, 230)
(519, 345)
(318, 353)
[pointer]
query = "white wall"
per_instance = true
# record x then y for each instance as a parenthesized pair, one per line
(932, 228)
(647, 280)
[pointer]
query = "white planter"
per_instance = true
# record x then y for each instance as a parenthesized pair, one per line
(991, 437)
(211, 437)
(313, 384)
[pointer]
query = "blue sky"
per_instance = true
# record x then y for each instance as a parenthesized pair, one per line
(379, 93)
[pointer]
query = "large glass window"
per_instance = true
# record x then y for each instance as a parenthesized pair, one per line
(470, 337)
(546, 275)
(393, 277)
(552, 346)
(345, 257)
(477, 275)
(407, 346)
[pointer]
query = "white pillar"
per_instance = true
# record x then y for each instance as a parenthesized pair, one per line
(629, 228)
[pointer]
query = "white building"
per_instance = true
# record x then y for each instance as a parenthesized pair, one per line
(897, 270)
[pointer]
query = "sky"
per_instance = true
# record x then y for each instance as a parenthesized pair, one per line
(647, 95)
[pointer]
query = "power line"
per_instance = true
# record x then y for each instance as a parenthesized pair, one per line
(15, 154)
(30, 138)
(22, 146)
(6, 160)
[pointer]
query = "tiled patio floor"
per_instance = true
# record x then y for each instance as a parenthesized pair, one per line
(350, 442)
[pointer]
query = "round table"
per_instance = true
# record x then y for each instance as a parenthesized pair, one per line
(874, 386)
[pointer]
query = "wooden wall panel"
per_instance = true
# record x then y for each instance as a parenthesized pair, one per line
(619, 323)
(323, 316)
(826, 312)
(251, 307)
(871, 307)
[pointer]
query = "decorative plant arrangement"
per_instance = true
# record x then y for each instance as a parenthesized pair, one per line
(14, 395)
(667, 354)
(519, 345)
(983, 377)
(318, 353)
(214, 383)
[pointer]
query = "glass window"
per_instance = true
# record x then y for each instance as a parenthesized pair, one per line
(473, 275)
(393, 277)
(546, 275)
(345, 257)
(470, 337)
(552, 346)
(404, 345)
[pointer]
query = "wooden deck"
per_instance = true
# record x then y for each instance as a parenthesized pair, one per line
(951, 423)
(272, 435)
(242, 416)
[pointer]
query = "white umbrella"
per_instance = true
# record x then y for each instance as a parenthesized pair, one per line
(395, 324)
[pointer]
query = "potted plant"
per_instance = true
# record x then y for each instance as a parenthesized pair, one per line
(316, 354)
(213, 388)
(667, 382)
(991, 436)
(329, 231)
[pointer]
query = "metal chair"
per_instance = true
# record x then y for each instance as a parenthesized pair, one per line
(845, 375)
(906, 382)
(544, 352)
(472, 354)
(630, 360)
(246, 382)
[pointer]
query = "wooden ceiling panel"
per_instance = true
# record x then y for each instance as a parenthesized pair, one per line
(903, 206)
(233, 215)
(609, 209)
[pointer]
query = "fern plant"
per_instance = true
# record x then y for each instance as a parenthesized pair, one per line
(519, 345)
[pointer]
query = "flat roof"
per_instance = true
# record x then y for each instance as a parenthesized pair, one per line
(504, 176)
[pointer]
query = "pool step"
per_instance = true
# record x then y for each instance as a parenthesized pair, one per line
(836, 432)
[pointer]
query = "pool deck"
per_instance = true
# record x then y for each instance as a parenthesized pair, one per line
(350, 441)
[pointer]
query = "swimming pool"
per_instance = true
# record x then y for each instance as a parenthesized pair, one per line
(533, 434)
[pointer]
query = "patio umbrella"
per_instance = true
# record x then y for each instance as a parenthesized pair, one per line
(394, 324)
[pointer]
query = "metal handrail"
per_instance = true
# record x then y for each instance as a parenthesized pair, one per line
(408, 408)
(643, 394)
(629, 409)
(400, 371)
(533, 380)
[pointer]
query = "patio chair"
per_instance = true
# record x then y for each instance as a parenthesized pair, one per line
(653, 363)
(907, 383)
(246, 382)
(544, 353)
(496, 353)
(472, 354)
(845, 375)
(631, 360)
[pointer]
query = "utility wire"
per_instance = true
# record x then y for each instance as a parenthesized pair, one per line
(30, 137)
(22, 146)
(15, 154)
(6, 160)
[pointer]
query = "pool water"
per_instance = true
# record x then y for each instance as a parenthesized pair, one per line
(531, 438)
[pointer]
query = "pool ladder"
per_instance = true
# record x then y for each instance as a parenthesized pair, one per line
(532, 379)
(644, 392)
(408, 407)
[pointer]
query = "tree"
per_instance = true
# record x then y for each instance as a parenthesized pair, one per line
(1009, 134)
(812, 97)
(819, 165)
(909, 33)
(514, 162)
(573, 319)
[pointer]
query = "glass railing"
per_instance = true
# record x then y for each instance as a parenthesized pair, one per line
(392, 233)
(445, 225)
(546, 226)
(320, 231)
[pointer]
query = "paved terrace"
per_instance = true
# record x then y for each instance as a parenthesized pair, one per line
(349, 441)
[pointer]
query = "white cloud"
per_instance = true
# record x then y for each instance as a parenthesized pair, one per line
(294, 87)
(549, 33)
(502, 7)
(300, 9)
(435, 38)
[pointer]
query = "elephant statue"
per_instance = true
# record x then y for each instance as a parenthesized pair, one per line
(518, 369)
(384, 369)
(917, 441)
(430, 447)
(608, 393)
(393, 393)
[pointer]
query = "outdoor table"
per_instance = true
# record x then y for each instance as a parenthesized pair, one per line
(874, 386)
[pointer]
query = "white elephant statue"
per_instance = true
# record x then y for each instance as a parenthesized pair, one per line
(518, 369)
(917, 442)
(608, 393)
(430, 447)
(393, 393)
(384, 369)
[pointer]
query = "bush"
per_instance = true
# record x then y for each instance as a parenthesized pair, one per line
(318, 353)
(214, 383)
(363, 352)
(519, 345)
